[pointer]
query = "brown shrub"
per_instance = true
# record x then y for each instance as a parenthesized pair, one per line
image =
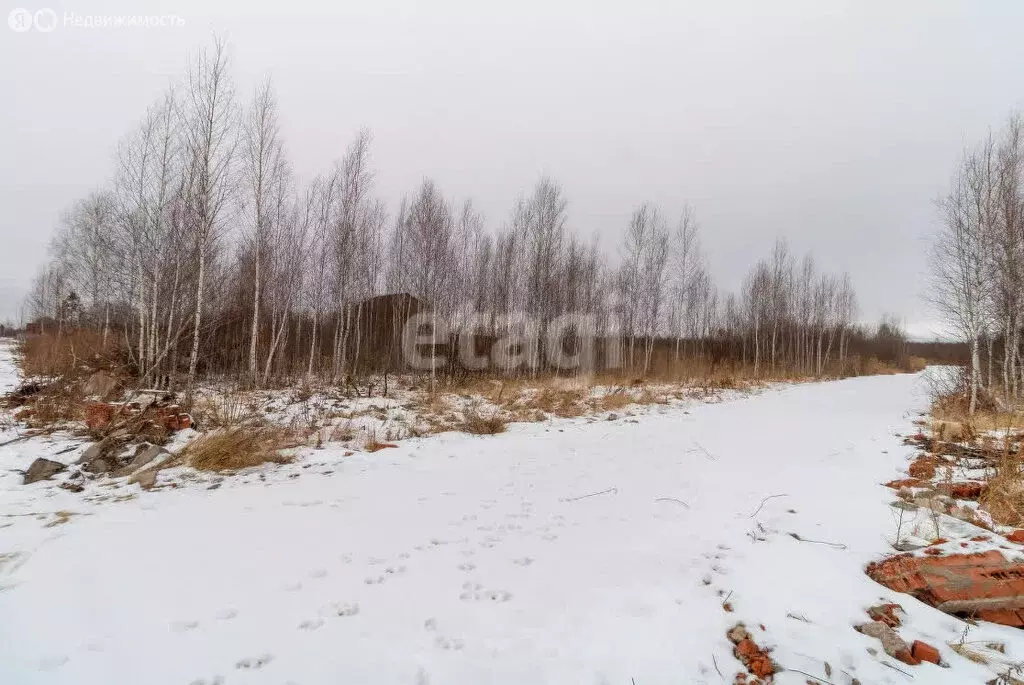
(74, 352)
(479, 423)
(1003, 497)
(614, 401)
(231, 449)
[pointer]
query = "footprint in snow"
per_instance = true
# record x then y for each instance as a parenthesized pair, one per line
(255, 662)
(524, 561)
(318, 573)
(475, 592)
(215, 680)
(311, 624)
(293, 587)
(184, 626)
(226, 614)
(343, 609)
(52, 663)
(467, 567)
(452, 643)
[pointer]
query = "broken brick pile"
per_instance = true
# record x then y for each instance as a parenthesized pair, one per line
(100, 415)
(755, 658)
(883, 626)
(982, 585)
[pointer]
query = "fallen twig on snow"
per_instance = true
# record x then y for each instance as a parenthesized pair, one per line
(761, 506)
(895, 668)
(672, 499)
(707, 454)
(820, 680)
(835, 545)
(715, 662)
(593, 494)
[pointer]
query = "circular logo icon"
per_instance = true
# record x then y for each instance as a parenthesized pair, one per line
(20, 19)
(45, 20)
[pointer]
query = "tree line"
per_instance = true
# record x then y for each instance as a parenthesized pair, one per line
(977, 260)
(204, 254)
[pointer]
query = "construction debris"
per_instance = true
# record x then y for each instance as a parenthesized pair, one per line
(984, 585)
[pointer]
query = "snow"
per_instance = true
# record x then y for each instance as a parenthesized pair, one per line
(569, 551)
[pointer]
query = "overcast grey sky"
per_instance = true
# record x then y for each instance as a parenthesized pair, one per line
(834, 124)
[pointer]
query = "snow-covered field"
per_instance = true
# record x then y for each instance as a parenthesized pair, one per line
(571, 551)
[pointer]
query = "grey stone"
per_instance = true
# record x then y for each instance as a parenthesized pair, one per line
(146, 479)
(890, 639)
(99, 465)
(42, 469)
(100, 384)
(144, 454)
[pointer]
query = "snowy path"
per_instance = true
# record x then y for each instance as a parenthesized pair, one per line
(462, 559)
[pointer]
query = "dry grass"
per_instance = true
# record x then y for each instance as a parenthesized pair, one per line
(988, 415)
(231, 409)
(614, 401)
(480, 423)
(231, 449)
(1004, 497)
(951, 420)
(72, 353)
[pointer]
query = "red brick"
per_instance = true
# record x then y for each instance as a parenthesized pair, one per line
(971, 490)
(985, 584)
(906, 657)
(922, 651)
(1016, 536)
(98, 415)
(904, 483)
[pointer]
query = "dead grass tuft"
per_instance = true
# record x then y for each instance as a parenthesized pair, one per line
(479, 423)
(231, 449)
(1003, 499)
(614, 400)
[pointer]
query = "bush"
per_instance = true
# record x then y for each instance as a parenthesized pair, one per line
(478, 423)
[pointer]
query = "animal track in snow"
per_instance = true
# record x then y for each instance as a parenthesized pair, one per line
(311, 624)
(225, 614)
(52, 663)
(466, 567)
(523, 561)
(255, 662)
(343, 609)
(452, 643)
(475, 592)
